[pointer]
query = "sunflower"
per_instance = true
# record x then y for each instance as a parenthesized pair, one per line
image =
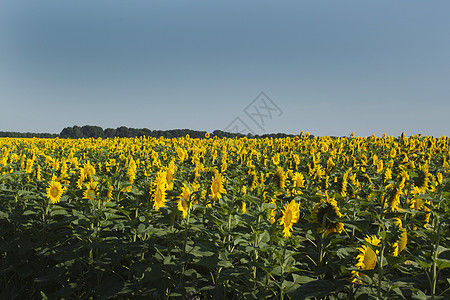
(326, 214)
(169, 174)
(89, 169)
(244, 207)
(423, 178)
(81, 179)
(160, 187)
(297, 182)
(280, 177)
(159, 197)
(291, 214)
(55, 191)
(419, 205)
(400, 244)
(217, 186)
(367, 257)
(183, 203)
(29, 166)
(207, 135)
(183, 206)
(185, 192)
(91, 191)
(273, 212)
(439, 178)
(276, 159)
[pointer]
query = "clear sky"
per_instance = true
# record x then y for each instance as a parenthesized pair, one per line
(328, 67)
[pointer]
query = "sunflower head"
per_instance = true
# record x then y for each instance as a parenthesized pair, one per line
(291, 214)
(326, 214)
(367, 256)
(183, 206)
(55, 191)
(91, 191)
(423, 178)
(400, 238)
(217, 188)
(280, 177)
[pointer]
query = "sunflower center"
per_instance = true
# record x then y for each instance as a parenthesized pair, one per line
(216, 187)
(158, 195)
(54, 191)
(288, 217)
(184, 204)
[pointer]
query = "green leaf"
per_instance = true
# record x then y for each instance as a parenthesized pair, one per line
(4, 216)
(423, 264)
(210, 261)
(316, 288)
(301, 279)
(443, 263)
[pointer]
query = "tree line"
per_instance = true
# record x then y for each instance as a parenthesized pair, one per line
(13, 134)
(89, 131)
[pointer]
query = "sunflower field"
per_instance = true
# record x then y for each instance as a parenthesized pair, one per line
(292, 218)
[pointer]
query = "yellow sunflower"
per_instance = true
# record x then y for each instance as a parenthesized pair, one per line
(400, 244)
(273, 212)
(184, 203)
(160, 187)
(217, 186)
(55, 191)
(183, 206)
(244, 207)
(276, 159)
(291, 214)
(367, 257)
(297, 182)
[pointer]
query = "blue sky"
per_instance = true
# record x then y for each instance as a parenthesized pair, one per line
(331, 67)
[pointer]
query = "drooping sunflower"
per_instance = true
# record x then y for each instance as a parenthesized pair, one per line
(183, 206)
(55, 191)
(326, 214)
(81, 179)
(400, 243)
(367, 257)
(291, 214)
(89, 170)
(423, 178)
(280, 177)
(217, 188)
(91, 191)
(273, 212)
(422, 206)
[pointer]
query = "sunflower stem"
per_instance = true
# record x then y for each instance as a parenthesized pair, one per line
(380, 269)
(434, 271)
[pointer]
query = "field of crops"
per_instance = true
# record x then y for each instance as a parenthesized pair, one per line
(293, 218)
